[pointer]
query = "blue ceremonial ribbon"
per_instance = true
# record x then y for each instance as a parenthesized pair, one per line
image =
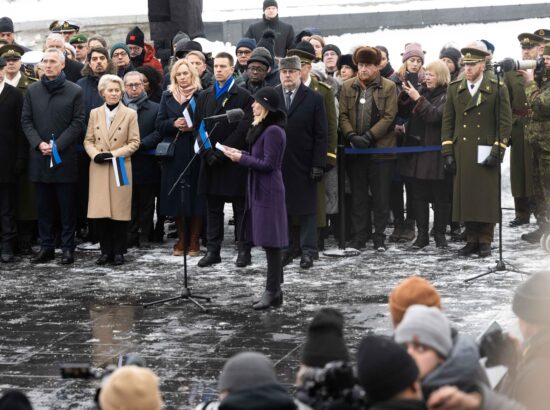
(204, 137)
(393, 150)
(123, 176)
(56, 158)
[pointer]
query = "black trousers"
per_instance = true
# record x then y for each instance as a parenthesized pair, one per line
(143, 210)
(56, 200)
(8, 228)
(376, 175)
(274, 269)
(215, 224)
(112, 236)
(397, 205)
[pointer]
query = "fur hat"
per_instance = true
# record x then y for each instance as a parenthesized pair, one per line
(346, 59)
(270, 3)
(246, 42)
(122, 46)
(304, 50)
(290, 63)
(331, 47)
(246, 370)
(131, 387)
(412, 291)
(367, 55)
(532, 298)
(413, 50)
(136, 37)
(261, 55)
(268, 41)
(452, 54)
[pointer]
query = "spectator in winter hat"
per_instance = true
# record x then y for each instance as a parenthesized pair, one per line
(258, 68)
(131, 387)
(80, 44)
(184, 46)
(7, 31)
(451, 56)
(135, 40)
(331, 53)
(411, 291)
(346, 67)
(386, 70)
(120, 54)
(242, 51)
(307, 32)
(14, 400)
(268, 42)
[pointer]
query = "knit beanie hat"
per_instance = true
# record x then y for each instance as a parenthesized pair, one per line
(325, 340)
(6, 25)
(304, 50)
(246, 42)
(246, 370)
(413, 50)
(331, 47)
(452, 54)
(412, 291)
(427, 326)
(346, 59)
(131, 387)
(532, 298)
(261, 55)
(490, 46)
(180, 35)
(268, 41)
(384, 368)
(14, 400)
(367, 55)
(136, 37)
(116, 46)
(270, 3)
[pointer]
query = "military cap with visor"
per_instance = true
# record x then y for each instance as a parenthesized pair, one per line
(78, 39)
(472, 55)
(303, 50)
(544, 33)
(11, 52)
(528, 40)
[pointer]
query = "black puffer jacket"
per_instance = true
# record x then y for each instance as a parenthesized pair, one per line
(267, 397)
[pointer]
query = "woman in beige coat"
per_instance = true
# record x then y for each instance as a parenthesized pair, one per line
(113, 132)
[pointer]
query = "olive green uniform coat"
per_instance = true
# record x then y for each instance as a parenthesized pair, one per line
(469, 121)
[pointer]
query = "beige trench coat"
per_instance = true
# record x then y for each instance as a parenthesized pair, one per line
(106, 200)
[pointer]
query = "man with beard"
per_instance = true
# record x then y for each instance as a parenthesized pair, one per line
(468, 128)
(72, 68)
(258, 67)
(141, 53)
(80, 44)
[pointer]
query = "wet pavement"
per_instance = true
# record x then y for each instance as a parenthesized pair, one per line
(51, 314)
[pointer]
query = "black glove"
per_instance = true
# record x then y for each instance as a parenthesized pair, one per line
(490, 162)
(211, 158)
(361, 141)
(449, 166)
(316, 173)
(102, 157)
(499, 349)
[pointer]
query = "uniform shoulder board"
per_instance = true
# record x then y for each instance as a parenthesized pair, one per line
(327, 86)
(494, 81)
(457, 81)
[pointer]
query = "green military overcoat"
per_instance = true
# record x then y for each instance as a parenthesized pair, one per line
(469, 121)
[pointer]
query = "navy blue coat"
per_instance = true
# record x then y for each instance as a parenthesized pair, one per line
(62, 114)
(306, 147)
(90, 95)
(145, 167)
(266, 217)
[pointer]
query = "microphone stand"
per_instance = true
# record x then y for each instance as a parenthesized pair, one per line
(186, 291)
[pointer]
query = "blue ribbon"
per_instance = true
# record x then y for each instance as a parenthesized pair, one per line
(55, 153)
(393, 150)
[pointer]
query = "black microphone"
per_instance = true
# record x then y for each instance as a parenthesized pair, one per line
(234, 115)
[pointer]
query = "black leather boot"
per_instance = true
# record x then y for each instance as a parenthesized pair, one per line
(470, 248)
(211, 258)
(243, 256)
(422, 213)
(441, 215)
(44, 255)
(269, 299)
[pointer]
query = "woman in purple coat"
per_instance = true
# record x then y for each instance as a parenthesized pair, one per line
(266, 210)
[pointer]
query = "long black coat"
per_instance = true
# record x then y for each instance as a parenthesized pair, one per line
(145, 167)
(226, 178)
(306, 147)
(90, 95)
(11, 135)
(60, 113)
(284, 34)
(73, 70)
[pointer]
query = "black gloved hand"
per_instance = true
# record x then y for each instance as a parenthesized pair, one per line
(316, 173)
(102, 157)
(490, 162)
(359, 141)
(449, 165)
(211, 157)
(499, 349)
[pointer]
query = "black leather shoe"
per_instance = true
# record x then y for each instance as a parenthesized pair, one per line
(104, 259)
(209, 259)
(118, 260)
(268, 299)
(534, 236)
(67, 258)
(470, 248)
(243, 258)
(287, 258)
(484, 250)
(518, 222)
(43, 256)
(306, 262)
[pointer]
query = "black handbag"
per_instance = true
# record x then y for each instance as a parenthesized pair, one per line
(167, 149)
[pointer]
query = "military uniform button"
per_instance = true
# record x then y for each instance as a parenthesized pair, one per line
(464, 138)
(478, 126)
(465, 113)
(464, 125)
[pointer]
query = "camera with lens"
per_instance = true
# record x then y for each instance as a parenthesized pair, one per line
(510, 64)
(332, 387)
(498, 348)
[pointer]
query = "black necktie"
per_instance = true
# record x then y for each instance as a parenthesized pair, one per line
(288, 94)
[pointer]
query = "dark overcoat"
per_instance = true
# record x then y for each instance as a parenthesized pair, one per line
(61, 113)
(306, 139)
(284, 34)
(468, 122)
(171, 168)
(266, 217)
(11, 135)
(90, 95)
(145, 167)
(225, 178)
(73, 70)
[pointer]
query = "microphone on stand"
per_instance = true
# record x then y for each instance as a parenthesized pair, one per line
(234, 115)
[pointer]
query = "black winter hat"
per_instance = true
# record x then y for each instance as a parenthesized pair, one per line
(304, 50)
(246, 42)
(346, 59)
(268, 41)
(6, 25)
(451, 53)
(185, 46)
(14, 400)
(180, 35)
(532, 300)
(325, 340)
(268, 98)
(384, 368)
(331, 47)
(261, 55)
(490, 46)
(270, 3)
(135, 37)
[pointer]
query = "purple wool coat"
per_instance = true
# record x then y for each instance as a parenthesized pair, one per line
(266, 217)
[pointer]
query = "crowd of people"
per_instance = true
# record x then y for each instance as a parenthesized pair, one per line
(425, 364)
(99, 138)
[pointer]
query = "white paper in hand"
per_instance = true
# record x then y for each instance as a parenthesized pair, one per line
(483, 151)
(220, 147)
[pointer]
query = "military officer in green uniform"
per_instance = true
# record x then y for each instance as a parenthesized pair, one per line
(521, 155)
(537, 133)
(468, 124)
(26, 196)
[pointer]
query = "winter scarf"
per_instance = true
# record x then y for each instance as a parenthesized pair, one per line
(387, 71)
(220, 91)
(55, 84)
(183, 94)
(134, 103)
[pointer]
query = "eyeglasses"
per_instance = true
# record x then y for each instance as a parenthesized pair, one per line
(120, 54)
(134, 85)
(256, 69)
(244, 52)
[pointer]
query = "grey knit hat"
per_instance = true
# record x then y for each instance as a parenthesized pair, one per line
(246, 370)
(532, 299)
(261, 55)
(290, 63)
(427, 326)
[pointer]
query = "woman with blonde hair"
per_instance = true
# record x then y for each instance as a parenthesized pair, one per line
(185, 85)
(111, 139)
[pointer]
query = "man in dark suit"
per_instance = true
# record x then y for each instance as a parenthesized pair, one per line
(220, 179)
(305, 155)
(53, 109)
(11, 103)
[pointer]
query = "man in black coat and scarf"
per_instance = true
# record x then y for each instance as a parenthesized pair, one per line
(53, 112)
(222, 180)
